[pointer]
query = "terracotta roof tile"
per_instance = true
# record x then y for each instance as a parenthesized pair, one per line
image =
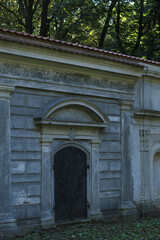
(74, 46)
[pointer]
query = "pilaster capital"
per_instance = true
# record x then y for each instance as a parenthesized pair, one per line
(45, 143)
(5, 91)
(95, 142)
(125, 105)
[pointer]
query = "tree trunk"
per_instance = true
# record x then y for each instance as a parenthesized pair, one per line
(44, 21)
(140, 28)
(26, 11)
(106, 25)
(118, 27)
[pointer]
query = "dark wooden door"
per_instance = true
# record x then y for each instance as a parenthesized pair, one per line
(70, 184)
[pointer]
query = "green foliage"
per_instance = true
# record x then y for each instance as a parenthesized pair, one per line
(127, 26)
(141, 230)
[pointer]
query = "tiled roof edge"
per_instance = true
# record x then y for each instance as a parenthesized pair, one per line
(75, 46)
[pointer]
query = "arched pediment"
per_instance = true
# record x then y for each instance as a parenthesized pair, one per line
(73, 112)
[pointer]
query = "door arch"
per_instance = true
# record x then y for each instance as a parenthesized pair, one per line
(156, 177)
(70, 180)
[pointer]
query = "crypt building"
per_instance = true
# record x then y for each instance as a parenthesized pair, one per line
(79, 133)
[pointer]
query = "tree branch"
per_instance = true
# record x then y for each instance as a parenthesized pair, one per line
(36, 5)
(12, 12)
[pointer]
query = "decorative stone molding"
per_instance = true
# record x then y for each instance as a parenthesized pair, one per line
(47, 116)
(47, 218)
(146, 205)
(144, 139)
(5, 91)
(95, 213)
(127, 207)
(7, 222)
(125, 105)
(70, 134)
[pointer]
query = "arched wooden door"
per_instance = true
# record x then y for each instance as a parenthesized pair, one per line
(70, 184)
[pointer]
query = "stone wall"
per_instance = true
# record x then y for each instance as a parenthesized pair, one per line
(35, 89)
(26, 153)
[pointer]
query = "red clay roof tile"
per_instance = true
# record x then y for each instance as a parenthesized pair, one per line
(75, 45)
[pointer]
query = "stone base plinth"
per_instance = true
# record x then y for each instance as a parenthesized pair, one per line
(96, 215)
(47, 220)
(128, 211)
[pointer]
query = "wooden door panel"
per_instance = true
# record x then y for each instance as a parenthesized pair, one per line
(70, 184)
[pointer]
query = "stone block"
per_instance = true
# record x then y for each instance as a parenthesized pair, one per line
(109, 184)
(110, 136)
(17, 201)
(114, 128)
(108, 204)
(33, 145)
(109, 156)
(30, 124)
(105, 175)
(33, 189)
(33, 167)
(19, 189)
(103, 165)
(115, 165)
(25, 178)
(18, 167)
(109, 194)
(34, 101)
(18, 122)
(17, 144)
(33, 211)
(26, 155)
(49, 99)
(22, 111)
(114, 118)
(108, 146)
(19, 212)
(102, 105)
(18, 99)
(114, 109)
(25, 133)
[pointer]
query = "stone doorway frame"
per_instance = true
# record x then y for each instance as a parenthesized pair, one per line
(86, 150)
(55, 135)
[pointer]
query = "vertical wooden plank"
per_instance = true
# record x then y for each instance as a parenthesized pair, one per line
(70, 184)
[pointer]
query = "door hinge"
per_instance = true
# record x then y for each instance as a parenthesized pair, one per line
(88, 166)
(88, 205)
(54, 209)
(53, 167)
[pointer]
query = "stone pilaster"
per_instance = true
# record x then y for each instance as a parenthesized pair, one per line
(128, 209)
(47, 215)
(146, 201)
(7, 222)
(95, 185)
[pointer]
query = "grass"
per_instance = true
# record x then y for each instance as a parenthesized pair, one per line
(141, 230)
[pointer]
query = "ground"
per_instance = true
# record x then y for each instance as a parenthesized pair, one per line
(144, 229)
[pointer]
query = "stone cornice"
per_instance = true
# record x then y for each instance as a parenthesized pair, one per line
(146, 113)
(70, 59)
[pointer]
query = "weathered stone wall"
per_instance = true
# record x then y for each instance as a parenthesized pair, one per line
(25, 156)
(110, 159)
(26, 153)
(36, 88)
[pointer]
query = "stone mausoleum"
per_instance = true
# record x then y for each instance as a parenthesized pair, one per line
(79, 133)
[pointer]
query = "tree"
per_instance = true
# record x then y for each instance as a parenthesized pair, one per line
(127, 26)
